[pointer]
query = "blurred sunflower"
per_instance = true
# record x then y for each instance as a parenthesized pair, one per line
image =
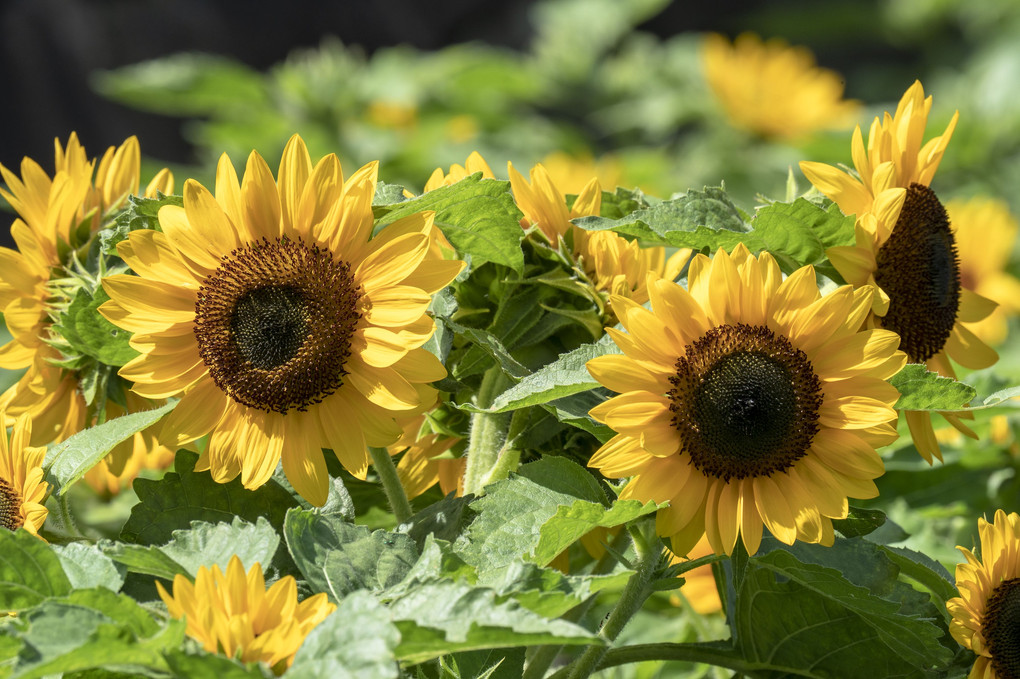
(985, 233)
(419, 469)
(772, 89)
(986, 615)
(281, 324)
(80, 196)
(615, 265)
(22, 489)
(572, 173)
(905, 247)
(748, 400)
(233, 614)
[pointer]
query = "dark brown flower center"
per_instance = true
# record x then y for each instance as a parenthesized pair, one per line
(10, 506)
(1001, 629)
(745, 402)
(920, 271)
(274, 324)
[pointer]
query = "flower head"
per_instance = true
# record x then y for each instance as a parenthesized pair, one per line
(235, 615)
(986, 615)
(773, 89)
(22, 489)
(280, 322)
(747, 401)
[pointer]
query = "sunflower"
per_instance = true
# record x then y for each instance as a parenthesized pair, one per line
(50, 211)
(614, 264)
(22, 489)
(699, 588)
(748, 400)
(772, 89)
(905, 247)
(985, 233)
(419, 469)
(474, 163)
(235, 615)
(986, 615)
(281, 324)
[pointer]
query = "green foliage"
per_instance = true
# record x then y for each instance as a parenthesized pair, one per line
(179, 498)
(29, 571)
(139, 213)
(90, 334)
(921, 389)
(86, 565)
(70, 459)
(799, 233)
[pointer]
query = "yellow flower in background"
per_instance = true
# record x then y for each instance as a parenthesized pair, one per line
(418, 469)
(572, 173)
(699, 588)
(906, 249)
(748, 400)
(986, 232)
(474, 163)
(772, 89)
(614, 264)
(50, 209)
(985, 615)
(22, 488)
(894, 157)
(280, 322)
(392, 114)
(233, 614)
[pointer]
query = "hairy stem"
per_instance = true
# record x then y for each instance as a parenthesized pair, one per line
(383, 463)
(488, 434)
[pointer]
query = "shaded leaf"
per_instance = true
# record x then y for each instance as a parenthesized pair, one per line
(921, 389)
(29, 571)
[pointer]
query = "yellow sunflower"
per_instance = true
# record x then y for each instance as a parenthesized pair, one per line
(699, 588)
(419, 469)
(772, 89)
(235, 615)
(22, 489)
(281, 324)
(50, 209)
(474, 163)
(986, 232)
(986, 615)
(905, 248)
(747, 400)
(572, 173)
(614, 264)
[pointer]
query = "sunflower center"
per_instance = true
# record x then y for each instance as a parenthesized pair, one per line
(919, 269)
(1001, 629)
(10, 506)
(744, 401)
(274, 324)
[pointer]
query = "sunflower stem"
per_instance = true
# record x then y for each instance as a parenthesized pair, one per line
(65, 516)
(717, 653)
(488, 433)
(632, 598)
(387, 471)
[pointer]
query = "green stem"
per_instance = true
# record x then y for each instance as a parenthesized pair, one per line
(65, 516)
(488, 433)
(383, 463)
(718, 653)
(631, 599)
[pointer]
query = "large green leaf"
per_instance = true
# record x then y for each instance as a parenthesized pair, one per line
(87, 566)
(204, 544)
(921, 389)
(800, 232)
(71, 458)
(338, 557)
(185, 495)
(356, 642)
(570, 523)
(478, 216)
(29, 571)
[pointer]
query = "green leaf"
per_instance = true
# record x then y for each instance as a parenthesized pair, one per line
(490, 345)
(565, 376)
(197, 664)
(923, 390)
(357, 641)
(697, 219)
(87, 566)
(338, 557)
(571, 523)
(443, 617)
(29, 571)
(549, 592)
(88, 332)
(204, 544)
(478, 216)
(802, 231)
(388, 194)
(183, 496)
(138, 213)
(817, 611)
(573, 410)
(1002, 396)
(71, 458)
(859, 522)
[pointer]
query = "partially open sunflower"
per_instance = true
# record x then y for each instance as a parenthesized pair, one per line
(905, 246)
(986, 615)
(280, 322)
(748, 400)
(22, 488)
